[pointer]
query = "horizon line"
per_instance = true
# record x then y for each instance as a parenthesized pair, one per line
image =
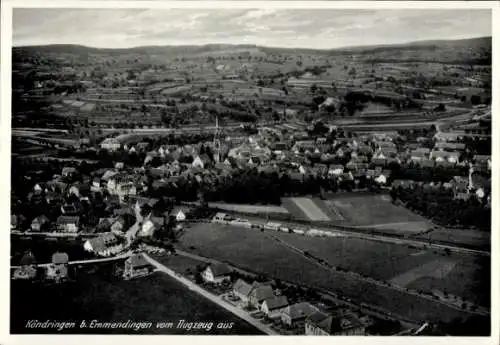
(250, 45)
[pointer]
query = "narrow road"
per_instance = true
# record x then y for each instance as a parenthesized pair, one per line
(216, 299)
(86, 262)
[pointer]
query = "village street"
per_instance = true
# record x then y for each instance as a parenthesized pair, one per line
(216, 299)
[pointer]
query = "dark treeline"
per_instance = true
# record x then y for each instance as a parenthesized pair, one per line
(440, 205)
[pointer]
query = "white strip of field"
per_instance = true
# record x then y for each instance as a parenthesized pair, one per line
(310, 209)
(435, 269)
(249, 208)
(416, 226)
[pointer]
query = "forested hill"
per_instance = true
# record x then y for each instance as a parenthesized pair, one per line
(468, 51)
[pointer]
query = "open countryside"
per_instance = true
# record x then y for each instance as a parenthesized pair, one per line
(259, 253)
(298, 177)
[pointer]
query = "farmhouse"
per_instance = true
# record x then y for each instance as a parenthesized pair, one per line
(242, 289)
(105, 245)
(39, 223)
(118, 225)
(37, 188)
(273, 306)
(440, 156)
(27, 269)
(320, 323)
(69, 210)
(180, 213)
(122, 189)
(104, 224)
(110, 144)
(448, 137)
(69, 172)
(151, 225)
(449, 146)
(136, 266)
(143, 206)
(216, 273)
(58, 269)
(68, 223)
(221, 218)
(296, 314)
(259, 294)
(201, 161)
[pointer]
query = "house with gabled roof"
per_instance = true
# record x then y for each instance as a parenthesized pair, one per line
(180, 213)
(69, 171)
(68, 224)
(108, 175)
(58, 269)
(104, 224)
(242, 289)
(439, 156)
(151, 225)
(38, 188)
(320, 323)
(118, 225)
(274, 306)
(110, 144)
(137, 266)
(40, 223)
(69, 210)
(143, 204)
(297, 313)
(260, 293)
(27, 269)
(198, 162)
(107, 244)
(216, 273)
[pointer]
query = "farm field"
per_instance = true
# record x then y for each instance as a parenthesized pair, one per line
(457, 274)
(399, 227)
(375, 259)
(306, 208)
(249, 208)
(321, 212)
(259, 253)
(377, 211)
(178, 263)
(469, 278)
(471, 238)
(376, 108)
(152, 299)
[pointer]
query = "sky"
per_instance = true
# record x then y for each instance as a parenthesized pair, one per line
(292, 28)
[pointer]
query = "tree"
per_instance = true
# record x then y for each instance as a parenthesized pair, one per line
(164, 117)
(475, 99)
(319, 99)
(314, 88)
(441, 107)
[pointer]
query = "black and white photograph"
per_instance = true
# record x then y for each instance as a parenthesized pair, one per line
(250, 171)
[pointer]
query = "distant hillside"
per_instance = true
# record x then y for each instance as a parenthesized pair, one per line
(474, 50)
(474, 43)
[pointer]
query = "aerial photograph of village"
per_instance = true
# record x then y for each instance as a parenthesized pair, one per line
(251, 172)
